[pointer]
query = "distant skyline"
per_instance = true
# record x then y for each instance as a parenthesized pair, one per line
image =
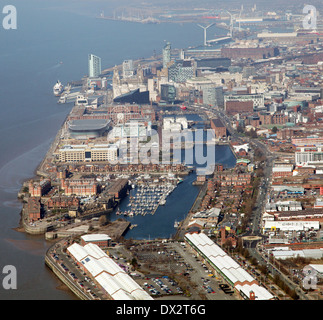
(95, 7)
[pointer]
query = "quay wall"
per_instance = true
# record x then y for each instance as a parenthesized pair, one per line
(232, 149)
(184, 223)
(34, 230)
(40, 169)
(43, 229)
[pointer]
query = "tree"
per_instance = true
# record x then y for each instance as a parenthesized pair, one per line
(228, 244)
(274, 129)
(134, 262)
(260, 172)
(254, 134)
(263, 269)
(240, 129)
(102, 220)
(258, 154)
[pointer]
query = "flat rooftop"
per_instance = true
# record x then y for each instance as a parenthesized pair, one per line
(218, 123)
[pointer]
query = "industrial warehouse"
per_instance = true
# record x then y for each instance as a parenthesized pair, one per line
(226, 267)
(106, 273)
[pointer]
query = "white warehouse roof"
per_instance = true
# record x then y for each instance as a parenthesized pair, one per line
(317, 267)
(291, 225)
(95, 237)
(260, 292)
(112, 278)
(306, 253)
(112, 287)
(95, 251)
(239, 277)
(282, 169)
(77, 251)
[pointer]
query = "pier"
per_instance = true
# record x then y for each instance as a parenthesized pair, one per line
(218, 40)
(181, 230)
(115, 229)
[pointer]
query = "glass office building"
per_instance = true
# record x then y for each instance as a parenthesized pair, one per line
(166, 54)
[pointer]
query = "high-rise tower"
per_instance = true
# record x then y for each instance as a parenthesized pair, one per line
(94, 66)
(127, 69)
(166, 54)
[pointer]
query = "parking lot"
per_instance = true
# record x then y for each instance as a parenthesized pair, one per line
(207, 282)
(165, 270)
(76, 275)
(162, 286)
(172, 269)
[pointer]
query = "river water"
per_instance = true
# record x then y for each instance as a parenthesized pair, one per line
(49, 33)
(180, 201)
(178, 204)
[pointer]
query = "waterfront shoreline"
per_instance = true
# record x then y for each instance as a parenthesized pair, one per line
(34, 117)
(40, 172)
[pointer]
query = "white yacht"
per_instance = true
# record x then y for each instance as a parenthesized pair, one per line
(62, 99)
(58, 88)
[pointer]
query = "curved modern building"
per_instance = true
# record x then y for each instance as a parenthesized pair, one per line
(88, 128)
(134, 96)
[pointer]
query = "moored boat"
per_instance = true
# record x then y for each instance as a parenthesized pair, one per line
(58, 88)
